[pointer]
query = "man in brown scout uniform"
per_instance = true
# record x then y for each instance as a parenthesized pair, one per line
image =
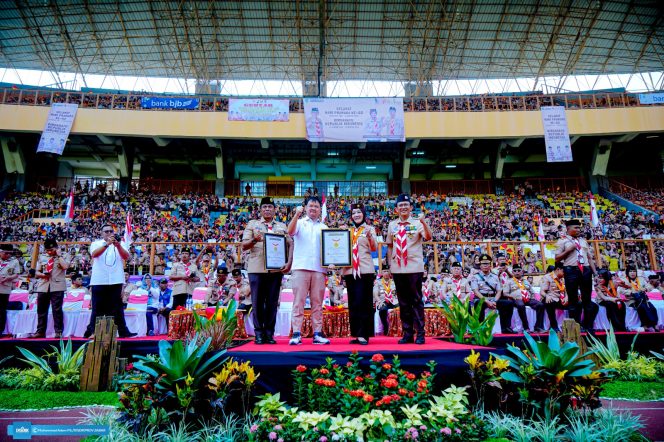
(10, 269)
(50, 288)
(185, 278)
(265, 284)
(521, 292)
(404, 252)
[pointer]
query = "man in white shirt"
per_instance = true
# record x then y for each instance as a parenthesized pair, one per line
(308, 273)
(107, 276)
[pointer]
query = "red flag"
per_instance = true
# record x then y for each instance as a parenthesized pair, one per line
(128, 230)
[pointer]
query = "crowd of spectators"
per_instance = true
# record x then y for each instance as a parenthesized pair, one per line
(652, 199)
(466, 226)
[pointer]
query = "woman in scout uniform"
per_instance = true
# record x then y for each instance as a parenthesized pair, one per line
(633, 290)
(360, 276)
(50, 288)
(521, 292)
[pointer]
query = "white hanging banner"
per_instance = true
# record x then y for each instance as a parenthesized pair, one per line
(59, 122)
(354, 119)
(556, 134)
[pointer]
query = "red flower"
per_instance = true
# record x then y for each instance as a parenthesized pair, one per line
(395, 397)
(410, 376)
(411, 394)
(368, 398)
(403, 391)
(335, 366)
(319, 381)
(387, 366)
(349, 364)
(377, 358)
(422, 384)
(324, 371)
(359, 378)
(129, 366)
(389, 383)
(301, 368)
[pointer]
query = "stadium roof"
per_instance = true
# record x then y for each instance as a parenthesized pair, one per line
(304, 40)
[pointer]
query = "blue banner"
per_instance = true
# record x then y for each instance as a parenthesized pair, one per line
(657, 98)
(169, 103)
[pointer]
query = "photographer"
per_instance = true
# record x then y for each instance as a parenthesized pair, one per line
(108, 257)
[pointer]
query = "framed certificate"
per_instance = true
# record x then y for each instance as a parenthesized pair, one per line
(274, 248)
(336, 247)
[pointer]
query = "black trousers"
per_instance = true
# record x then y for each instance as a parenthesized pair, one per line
(647, 314)
(179, 300)
(4, 300)
(575, 281)
(551, 308)
(149, 312)
(411, 305)
(616, 313)
(535, 305)
(265, 289)
(107, 301)
(383, 311)
(360, 305)
(55, 300)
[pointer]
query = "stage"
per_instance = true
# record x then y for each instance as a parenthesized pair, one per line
(275, 362)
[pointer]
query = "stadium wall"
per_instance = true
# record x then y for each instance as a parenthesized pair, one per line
(434, 125)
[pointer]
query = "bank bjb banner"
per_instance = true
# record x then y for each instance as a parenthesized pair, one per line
(246, 109)
(60, 119)
(354, 119)
(169, 103)
(556, 134)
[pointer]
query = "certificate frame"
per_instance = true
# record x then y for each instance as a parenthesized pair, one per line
(336, 247)
(275, 256)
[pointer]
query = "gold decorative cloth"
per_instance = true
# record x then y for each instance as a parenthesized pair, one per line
(181, 324)
(435, 323)
(335, 324)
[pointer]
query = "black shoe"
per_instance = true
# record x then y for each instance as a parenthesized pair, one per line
(269, 339)
(354, 341)
(539, 330)
(87, 335)
(129, 335)
(509, 331)
(37, 336)
(406, 340)
(259, 340)
(419, 340)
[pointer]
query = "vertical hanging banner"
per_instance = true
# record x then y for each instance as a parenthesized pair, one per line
(354, 119)
(257, 109)
(59, 122)
(556, 134)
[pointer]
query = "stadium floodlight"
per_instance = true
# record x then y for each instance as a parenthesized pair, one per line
(371, 167)
(450, 166)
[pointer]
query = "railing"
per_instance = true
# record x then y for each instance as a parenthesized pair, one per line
(636, 196)
(136, 185)
(49, 213)
(212, 103)
(613, 254)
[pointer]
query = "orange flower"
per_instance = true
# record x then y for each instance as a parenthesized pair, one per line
(387, 366)
(324, 371)
(368, 398)
(403, 391)
(410, 376)
(377, 358)
(301, 368)
(422, 384)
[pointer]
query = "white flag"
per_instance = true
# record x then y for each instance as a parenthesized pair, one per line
(128, 230)
(69, 214)
(594, 219)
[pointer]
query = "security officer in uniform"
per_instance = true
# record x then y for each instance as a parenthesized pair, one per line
(50, 288)
(456, 285)
(521, 292)
(185, 278)
(10, 270)
(486, 285)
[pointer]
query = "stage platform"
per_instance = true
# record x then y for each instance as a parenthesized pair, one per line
(275, 362)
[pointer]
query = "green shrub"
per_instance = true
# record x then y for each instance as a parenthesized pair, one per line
(463, 319)
(636, 368)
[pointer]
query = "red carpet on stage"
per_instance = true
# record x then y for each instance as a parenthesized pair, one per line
(341, 345)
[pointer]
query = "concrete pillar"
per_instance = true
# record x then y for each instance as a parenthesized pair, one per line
(501, 155)
(601, 156)
(126, 166)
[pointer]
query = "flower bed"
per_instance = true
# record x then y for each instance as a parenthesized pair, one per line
(344, 402)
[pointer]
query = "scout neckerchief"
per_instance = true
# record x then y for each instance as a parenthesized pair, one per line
(387, 289)
(49, 265)
(525, 294)
(356, 233)
(401, 245)
(457, 285)
(561, 288)
(579, 253)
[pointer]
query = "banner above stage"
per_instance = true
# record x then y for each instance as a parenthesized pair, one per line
(58, 125)
(256, 109)
(354, 119)
(556, 134)
(169, 103)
